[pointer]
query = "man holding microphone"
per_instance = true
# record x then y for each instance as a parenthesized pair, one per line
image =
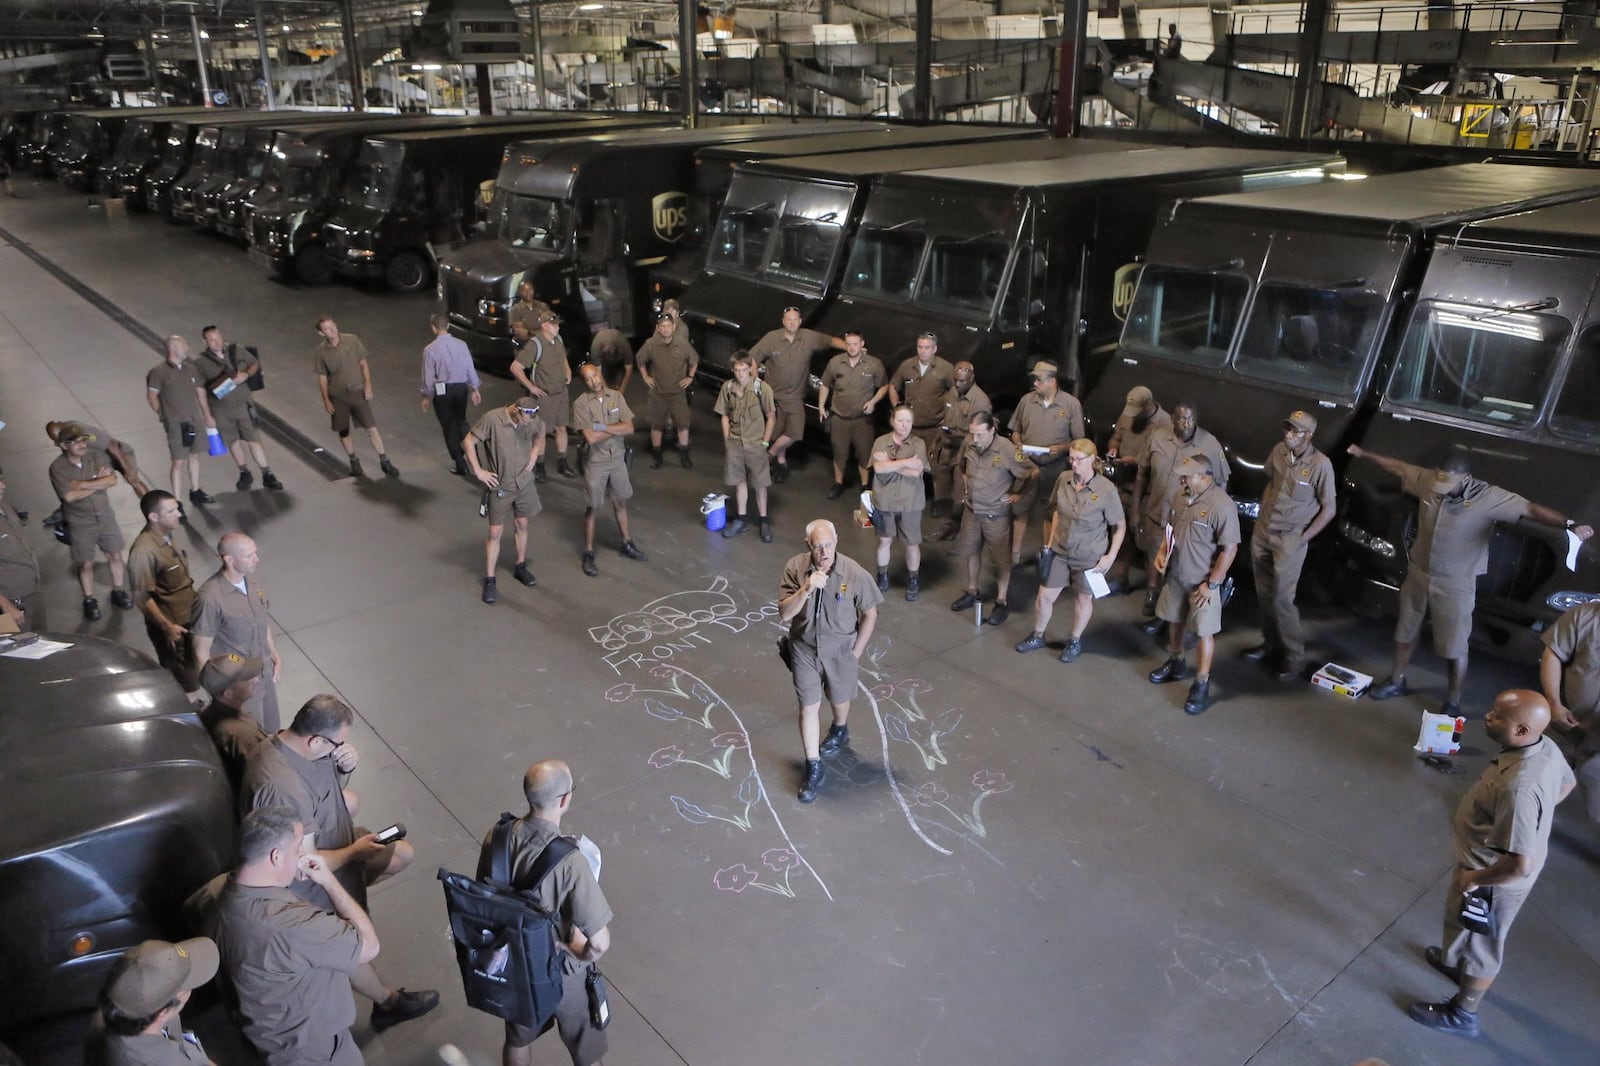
(831, 605)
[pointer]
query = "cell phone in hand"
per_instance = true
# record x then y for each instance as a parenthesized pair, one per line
(395, 832)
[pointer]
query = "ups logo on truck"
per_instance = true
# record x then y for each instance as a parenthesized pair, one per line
(1123, 283)
(669, 214)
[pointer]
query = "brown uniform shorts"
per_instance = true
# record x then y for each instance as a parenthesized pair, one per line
(1063, 574)
(176, 449)
(850, 434)
(555, 408)
(1173, 606)
(584, 1042)
(87, 537)
(513, 502)
(986, 530)
(239, 426)
(672, 407)
(833, 670)
(607, 480)
(1449, 605)
(792, 417)
(746, 463)
(1044, 485)
(904, 525)
(348, 409)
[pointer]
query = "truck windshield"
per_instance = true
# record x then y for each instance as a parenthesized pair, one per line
(371, 185)
(1187, 315)
(1487, 364)
(742, 236)
(534, 222)
(883, 262)
(804, 248)
(1576, 415)
(136, 144)
(304, 181)
(1314, 338)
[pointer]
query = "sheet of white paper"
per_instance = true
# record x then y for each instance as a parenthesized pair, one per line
(1035, 449)
(1573, 544)
(1097, 583)
(866, 502)
(39, 649)
(591, 851)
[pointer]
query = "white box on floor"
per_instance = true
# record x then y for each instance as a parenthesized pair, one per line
(1343, 680)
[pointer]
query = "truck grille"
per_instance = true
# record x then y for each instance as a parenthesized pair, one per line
(1518, 567)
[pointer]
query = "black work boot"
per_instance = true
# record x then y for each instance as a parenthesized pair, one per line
(812, 782)
(837, 738)
(655, 458)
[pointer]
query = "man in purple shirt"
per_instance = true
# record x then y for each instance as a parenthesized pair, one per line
(449, 383)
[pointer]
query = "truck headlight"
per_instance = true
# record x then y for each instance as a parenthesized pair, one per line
(1363, 539)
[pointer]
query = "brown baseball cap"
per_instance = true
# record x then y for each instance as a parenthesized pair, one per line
(548, 316)
(1043, 369)
(154, 972)
(1301, 420)
(220, 671)
(1139, 397)
(71, 432)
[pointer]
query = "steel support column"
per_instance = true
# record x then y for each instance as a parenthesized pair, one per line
(266, 63)
(200, 57)
(352, 56)
(687, 77)
(1300, 122)
(922, 91)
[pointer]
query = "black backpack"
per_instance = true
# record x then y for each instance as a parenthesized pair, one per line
(506, 944)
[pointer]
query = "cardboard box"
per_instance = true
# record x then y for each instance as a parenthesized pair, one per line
(1343, 680)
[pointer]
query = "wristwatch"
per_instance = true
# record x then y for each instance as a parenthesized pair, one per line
(1571, 523)
(1212, 584)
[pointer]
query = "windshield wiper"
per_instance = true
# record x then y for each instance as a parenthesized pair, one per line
(1549, 303)
(977, 238)
(899, 225)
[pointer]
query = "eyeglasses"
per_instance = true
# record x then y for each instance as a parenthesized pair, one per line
(335, 744)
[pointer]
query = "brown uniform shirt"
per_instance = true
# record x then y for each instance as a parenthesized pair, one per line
(1042, 424)
(19, 569)
(548, 361)
(528, 315)
(342, 366)
(924, 390)
(1131, 443)
(608, 408)
(276, 775)
(210, 367)
(1297, 489)
(1084, 519)
(92, 510)
(1199, 530)
(1163, 453)
(959, 409)
(161, 568)
(236, 621)
(747, 411)
(900, 492)
(507, 447)
(290, 963)
(166, 1048)
(788, 362)
(832, 614)
(236, 733)
(990, 474)
(1453, 531)
(570, 892)
(668, 362)
(174, 387)
(1510, 808)
(1575, 638)
(851, 386)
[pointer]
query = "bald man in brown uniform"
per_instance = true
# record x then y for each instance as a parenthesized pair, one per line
(784, 356)
(1502, 835)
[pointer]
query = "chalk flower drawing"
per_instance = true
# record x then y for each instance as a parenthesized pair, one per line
(686, 699)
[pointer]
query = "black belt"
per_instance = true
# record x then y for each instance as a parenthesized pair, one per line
(847, 418)
(990, 517)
